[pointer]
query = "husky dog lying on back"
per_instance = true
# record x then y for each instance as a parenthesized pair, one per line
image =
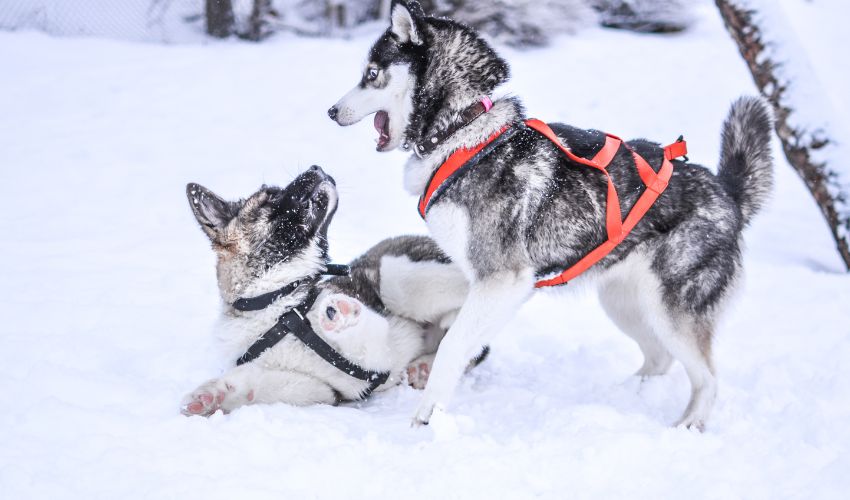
(526, 211)
(386, 316)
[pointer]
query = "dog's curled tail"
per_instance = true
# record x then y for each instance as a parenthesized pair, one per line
(746, 165)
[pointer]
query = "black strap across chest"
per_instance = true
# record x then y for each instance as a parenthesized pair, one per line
(295, 322)
(263, 301)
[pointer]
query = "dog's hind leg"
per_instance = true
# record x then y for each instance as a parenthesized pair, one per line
(633, 296)
(696, 268)
(689, 342)
(618, 299)
(250, 384)
(687, 336)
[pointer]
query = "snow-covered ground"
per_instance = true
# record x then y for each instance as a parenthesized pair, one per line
(108, 291)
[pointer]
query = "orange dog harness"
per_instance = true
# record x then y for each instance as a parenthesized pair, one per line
(616, 227)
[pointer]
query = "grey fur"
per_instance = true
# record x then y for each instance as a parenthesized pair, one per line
(527, 209)
(746, 164)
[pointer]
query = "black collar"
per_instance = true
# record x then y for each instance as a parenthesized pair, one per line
(295, 322)
(469, 114)
(265, 300)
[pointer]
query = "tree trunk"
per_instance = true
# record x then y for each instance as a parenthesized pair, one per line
(259, 21)
(802, 146)
(219, 14)
(337, 14)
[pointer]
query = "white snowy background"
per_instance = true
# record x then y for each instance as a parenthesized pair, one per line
(109, 297)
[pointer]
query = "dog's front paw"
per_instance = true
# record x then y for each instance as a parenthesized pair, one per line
(338, 312)
(691, 422)
(212, 396)
(423, 415)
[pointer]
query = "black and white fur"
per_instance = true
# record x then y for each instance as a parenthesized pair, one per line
(527, 212)
(279, 236)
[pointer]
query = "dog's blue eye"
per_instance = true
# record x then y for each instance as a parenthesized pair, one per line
(331, 313)
(372, 74)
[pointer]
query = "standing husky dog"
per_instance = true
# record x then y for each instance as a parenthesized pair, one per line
(525, 211)
(277, 240)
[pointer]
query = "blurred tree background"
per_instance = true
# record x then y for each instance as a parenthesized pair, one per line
(520, 23)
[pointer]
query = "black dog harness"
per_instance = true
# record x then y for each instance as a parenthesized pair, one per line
(295, 322)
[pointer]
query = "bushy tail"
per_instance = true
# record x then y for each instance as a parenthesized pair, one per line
(746, 165)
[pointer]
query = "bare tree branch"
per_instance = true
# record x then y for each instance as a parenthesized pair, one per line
(800, 145)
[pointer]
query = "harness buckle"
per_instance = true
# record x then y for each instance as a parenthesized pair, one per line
(677, 149)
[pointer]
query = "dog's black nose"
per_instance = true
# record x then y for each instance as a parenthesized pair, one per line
(317, 169)
(332, 112)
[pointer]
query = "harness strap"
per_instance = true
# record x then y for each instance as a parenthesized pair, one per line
(613, 218)
(462, 158)
(616, 228)
(263, 301)
(300, 327)
(337, 270)
(295, 322)
(282, 327)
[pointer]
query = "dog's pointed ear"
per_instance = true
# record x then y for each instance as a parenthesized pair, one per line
(211, 211)
(406, 21)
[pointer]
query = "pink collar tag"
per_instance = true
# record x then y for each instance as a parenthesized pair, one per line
(488, 104)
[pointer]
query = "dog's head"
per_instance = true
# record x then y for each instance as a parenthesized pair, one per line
(420, 68)
(272, 238)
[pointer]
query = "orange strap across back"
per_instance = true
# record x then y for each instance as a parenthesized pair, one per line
(617, 228)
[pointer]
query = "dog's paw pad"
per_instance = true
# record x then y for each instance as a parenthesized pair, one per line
(203, 402)
(417, 375)
(194, 408)
(339, 312)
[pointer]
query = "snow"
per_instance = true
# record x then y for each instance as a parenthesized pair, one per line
(109, 291)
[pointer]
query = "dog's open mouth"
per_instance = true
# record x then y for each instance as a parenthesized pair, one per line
(382, 125)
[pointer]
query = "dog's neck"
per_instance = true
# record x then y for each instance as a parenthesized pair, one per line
(505, 111)
(467, 115)
(233, 284)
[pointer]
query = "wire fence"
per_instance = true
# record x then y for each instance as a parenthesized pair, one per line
(140, 20)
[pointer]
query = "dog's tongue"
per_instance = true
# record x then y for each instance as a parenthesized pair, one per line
(381, 121)
(382, 125)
